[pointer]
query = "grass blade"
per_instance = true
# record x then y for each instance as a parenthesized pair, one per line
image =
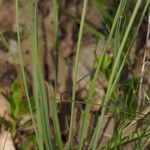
(23, 72)
(56, 48)
(42, 113)
(75, 70)
(93, 82)
(97, 130)
(53, 107)
(53, 103)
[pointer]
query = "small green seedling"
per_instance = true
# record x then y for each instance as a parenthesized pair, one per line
(18, 109)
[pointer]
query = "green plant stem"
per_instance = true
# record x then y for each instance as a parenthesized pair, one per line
(75, 70)
(53, 101)
(100, 119)
(135, 136)
(23, 70)
(120, 69)
(94, 80)
(56, 47)
(53, 107)
(42, 112)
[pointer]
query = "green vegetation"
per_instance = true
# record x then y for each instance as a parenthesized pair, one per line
(120, 25)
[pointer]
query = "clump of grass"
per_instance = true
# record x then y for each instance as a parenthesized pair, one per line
(94, 140)
(123, 33)
(41, 116)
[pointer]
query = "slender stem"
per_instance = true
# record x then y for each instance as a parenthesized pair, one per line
(23, 70)
(94, 80)
(57, 54)
(39, 87)
(56, 46)
(75, 70)
(100, 119)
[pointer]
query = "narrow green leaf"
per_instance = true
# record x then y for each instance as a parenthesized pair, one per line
(75, 70)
